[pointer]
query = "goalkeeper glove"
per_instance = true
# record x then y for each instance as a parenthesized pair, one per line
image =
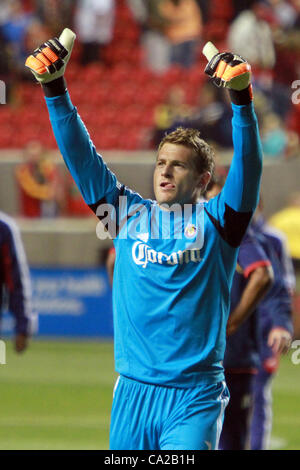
(229, 70)
(48, 62)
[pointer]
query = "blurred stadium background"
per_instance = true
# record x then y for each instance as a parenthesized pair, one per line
(130, 87)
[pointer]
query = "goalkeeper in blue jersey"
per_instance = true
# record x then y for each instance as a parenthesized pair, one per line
(175, 259)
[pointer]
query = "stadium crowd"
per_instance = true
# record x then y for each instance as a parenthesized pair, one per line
(137, 53)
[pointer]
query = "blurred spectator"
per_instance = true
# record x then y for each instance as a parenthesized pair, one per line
(155, 43)
(240, 5)
(4, 57)
(74, 203)
(39, 183)
(55, 14)
(139, 9)
(212, 116)
(274, 136)
(36, 34)
(250, 36)
(277, 140)
(183, 29)
(5, 10)
(296, 6)
(15, 23)
(172, 113)
(288, 221)
(204, 6)
(257, 35)
(285, 13)
(287, 42)
(94, 24)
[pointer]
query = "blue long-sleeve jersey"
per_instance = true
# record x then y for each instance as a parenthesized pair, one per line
(15, 286)
(172, 280)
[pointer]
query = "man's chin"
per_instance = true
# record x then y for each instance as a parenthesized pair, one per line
(166, 200)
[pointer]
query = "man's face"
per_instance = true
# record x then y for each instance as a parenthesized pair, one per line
(176, 179)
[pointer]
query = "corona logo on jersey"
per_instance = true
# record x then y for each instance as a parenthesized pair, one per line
(143, 254)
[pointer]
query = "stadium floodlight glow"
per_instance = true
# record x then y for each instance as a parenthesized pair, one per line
(2, 352)
(2, 92)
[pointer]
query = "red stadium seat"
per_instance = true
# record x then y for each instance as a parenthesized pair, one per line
(216, 30)
(138, 116)
(73, 71)
(151, 95)
(131, 140)
(143, 76)
(108, 137)
(122, 73)
(6, 116)
(173, 75)
(93, 73)
(123, 32)
(125, 95)
(7, 135)
(32, 114)
(221, 9)
(101, 93)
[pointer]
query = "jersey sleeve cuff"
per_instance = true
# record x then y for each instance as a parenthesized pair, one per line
(241, 97)
(284, 326)
(253, 266)
(55, 88)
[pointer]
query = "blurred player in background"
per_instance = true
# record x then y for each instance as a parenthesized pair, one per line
(251, 281)
(172, 275)
(15, 288)
(259, 330)
(275, 328)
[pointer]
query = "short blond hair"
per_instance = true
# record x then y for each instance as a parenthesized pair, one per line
(204, 157)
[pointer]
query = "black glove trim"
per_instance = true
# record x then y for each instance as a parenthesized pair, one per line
(241, 97)
(57, 87)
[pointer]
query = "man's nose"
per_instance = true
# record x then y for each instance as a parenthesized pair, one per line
(167, 170)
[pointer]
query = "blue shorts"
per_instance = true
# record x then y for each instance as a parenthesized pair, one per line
(152, 417)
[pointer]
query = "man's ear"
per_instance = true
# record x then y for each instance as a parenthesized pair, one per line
(204, 179)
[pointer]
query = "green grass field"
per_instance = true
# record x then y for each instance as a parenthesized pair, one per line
(58, 396)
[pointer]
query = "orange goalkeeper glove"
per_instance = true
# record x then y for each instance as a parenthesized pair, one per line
(229, 70)
(49, 61)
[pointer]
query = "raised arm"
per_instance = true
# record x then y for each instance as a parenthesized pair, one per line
(97, 184)
(93, 178)
(48, 64)
(233, 208)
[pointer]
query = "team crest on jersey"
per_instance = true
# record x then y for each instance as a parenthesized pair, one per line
(190, 231)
